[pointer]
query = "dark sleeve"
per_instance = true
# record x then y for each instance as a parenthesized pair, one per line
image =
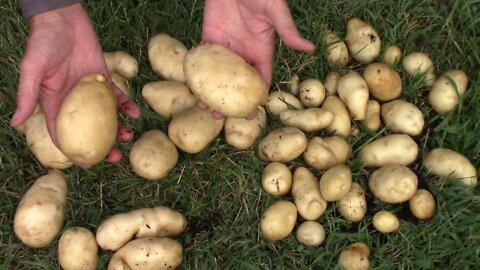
(34, 7)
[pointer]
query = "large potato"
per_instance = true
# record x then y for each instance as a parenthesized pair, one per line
(242, 133)
(392, 149)
(444, 96)
(355, 256)
(341, 124)
(224, 80)
(87, 121)
(276, 179)
(77, 250)
(384, 83)
(372, 116)
(393, 183)
(280, 101)
(362, 40)
(448, 163)
(40, 214)
(278, 220)
(310, 233)
(121, 63)
(168, 98)
(282, 145)
(325, 153)
(336, 51)
(353, 91)
(422, 204)
(311, 119)
(312, 93)
(385, 222)
(404, 117)
(306, 194)
(353, 206)
(166, 55)
(336, 183)
(420, 64)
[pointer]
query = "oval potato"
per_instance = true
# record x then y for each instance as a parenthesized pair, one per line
(280, 101)
(443, 95)
(312, 93)
(353, 206)
(372, 116)
(362, 40)
(422, 204)
(353, 91)
(384, 82)
(392, 149)
(168, 97)
(355, 256)
(403, 117)
(393, 183)
(336, 51)
(310, 233)
(278, 220)
(276, 179)
(418, 63)
(448, 163)
(166, 55)
(306, 194)
(392, 55)
(308, 120)
(282, 145)
(121, 63)
(77, 249)
(341, 124)
(242, 133)
(336, 183)
(331, 82)
(385, 222)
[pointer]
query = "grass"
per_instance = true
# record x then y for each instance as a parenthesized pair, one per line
(219, 189)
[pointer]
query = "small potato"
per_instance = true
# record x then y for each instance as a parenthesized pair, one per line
(418, 63)
(310, 233)
(40, 214)
(372, 116)
(341, 123)
(355, 257)
(282, 145)
(336, 183)
(166, 55)
(308, 120)
(336, 52)
(398, 149)
(384, 83)
(242, 133)
(393, 183)
(280, 101)
(312, 93)
(167, 97)
(422, 204)
(278, 220)
(325, 153)
(77, 249)
(385, 222)
(148, 254)
(392, 55)
(153, 155)
(294, 84)
(331, 82)
(306, 194)
(444, 97)
(121, 63)
(448, 163)
(353, 91)
(353, 206)
(362, 40)
(276, 179)
(404, 117)
(121, 82)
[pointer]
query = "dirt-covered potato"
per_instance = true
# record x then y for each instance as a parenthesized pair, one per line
(168, 97)
(336, 183)
(153, 155)
(336, 51)
(444, 95)
(330, 83)
(341, 124)
(384, 82)
(325, 153)
(282, 145)
(87, 121)
(160, 221)
(77, 249)
(310, 233)
(166, 55)
(385, 222)
(306, 194)
(39, 215)
(224, 80)
(242, 133)
(422, 204)
(121, 63)
(393, 183)
(448, 163)
(276, 179)
(353, 206)
(280, 101)
(401, 116)
(311, 93)
(417, 64)
(362, 40)
(392, 55)
(151, 253)
(353, 91)
(121, 82)
(392, 149)
(278, 220)
(308, 120)
(372, 116)
(355, 256)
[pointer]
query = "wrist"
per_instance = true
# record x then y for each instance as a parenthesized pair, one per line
(56, 14)
(35, 7)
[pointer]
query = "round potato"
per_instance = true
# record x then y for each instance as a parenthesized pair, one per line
(385, 222)
(276, 179)
(448, 163)
(278, 220)
(310, 233)
(336, 51)
(384, 83)
(403, 117)
(312, 93)
(393, 183)
(372, 116)
(392, 149)
(77, 249)
(392, 55)
(280, 101)
(422, 204)
(336, 183)
(166, 55)
(242, 133)
(353, 206)
(167, 97)
(420, 64)
(308, 120)
(121, 63)
(362, 40)
(306, 194)
(331, 82)
(444, 95)
(355, 256)
(353, 91)
(341, 124)
(282, 145)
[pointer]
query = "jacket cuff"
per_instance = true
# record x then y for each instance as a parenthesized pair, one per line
(34, 7)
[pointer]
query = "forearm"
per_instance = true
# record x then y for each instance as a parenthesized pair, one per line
(34, 7)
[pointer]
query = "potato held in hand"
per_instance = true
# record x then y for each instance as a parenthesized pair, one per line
(87, 121)
(77, 249)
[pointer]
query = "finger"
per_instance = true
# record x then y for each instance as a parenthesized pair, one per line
(50, 106)
(124, 134)
(126, 105)
(265, 70)
(202, 105)
(217, 115)
(114, 156)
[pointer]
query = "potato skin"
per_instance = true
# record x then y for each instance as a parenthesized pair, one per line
(393, 183)
(77, 249)
(362, 41)
(276, 179)
(384, 83)
(306, 194)
(336, 183)
(121, 63)
(278, 220)
(312, 93)
(443, 97)
(308, 120)
(341, 124)
(417, 63)
(385, 222)
(353, 91)
(448, 163)
(392, 55)
(310, 233)
(325, 153)
(403, 117)
(168, 97)
(280, 101)
(336, 52)
(282, 145)
(353, 206)
(392, 149)
(166, 55)
(355, 257)
(422, 204)
(40, 214)
(242, 133)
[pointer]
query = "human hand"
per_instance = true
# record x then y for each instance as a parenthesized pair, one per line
(62, 47)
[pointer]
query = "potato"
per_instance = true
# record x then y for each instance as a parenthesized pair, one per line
(121, 63)
(340, 148)
(444, 96)
(276, 179)
(362, 40)
(294, 84)
(282, 145)
(331, 82)
(372, 116)
(448, 163)
(148, 254)
(355, 257)
(341, 124)
(224, 80)
(167, 97)
(121, 82)
(353, 206)
(353, 91)
(336, 183)
(384, 83)
(306, 194)
(422, 204)
(312, 93)
(325, 153)
(418, 63)
(242, 133)
(393, 183)
(392, 149)
(39, 215)
(278, 220)
(87, 121)
(404, 117)
(77, 249)
(280, 101)
(336, 52)
(308, 120)
(310, 233)
(385, 222)
(392, 55)
(193, 129)
(160, 221)
(153, 155)
(166, 55)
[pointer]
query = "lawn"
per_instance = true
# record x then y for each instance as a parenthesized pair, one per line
(219, 188)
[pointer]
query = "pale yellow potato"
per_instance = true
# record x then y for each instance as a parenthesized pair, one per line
(308, 120)
(280, 101)
(310, 233)
(339, 146)
(325, 153)
(355, 256)
(394, 149)
(168, 97)
(194, 129)
(311, 93)
(77, 249)
(23, 127)
(224, 80)
(282, 145)
(362, 40)
(422, 204)
(39, 215)
(417, 64)
(160, 221)
(294, 84)
(121, 82)
(401, 116)
(385, 222)
(121, 63)
(393, 183)
(330, 83)
(87, 121)
(392, 55)
(276, 179)
(151, 253)
(153, 155)
(384, 82)
(444, 96)
(166, 55)
(341, 123)
(335, 183)
(372, 116)
(336, 51)
(353, 91)
(353, 206)
(306, 194)
(278, 220)
(448, 163)
(242, 133)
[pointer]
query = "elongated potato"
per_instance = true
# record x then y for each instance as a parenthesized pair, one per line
(310, 233)
(393, 183)
(77, 249)
(422, 204)
(166, 55)
(392, 55)
(311, 119)
(385, 222)
(399, 149)
(403, 117)
(312, 93)
(353, 206)
(280, 101)
(353, 91)
(417, 64)
(330, 83)
(336, 183)
(444, 96)
(355, 256)
(341, 124)
(306, 194)
(242, 133)
(325, 153)
(278, 220)
(276, 179)
(282, 145)
(167, 97)
(294, 84)
(384, 83)
(336, 52)
(448, 163)
(372, 116)
(121, 63)
(362, 40)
